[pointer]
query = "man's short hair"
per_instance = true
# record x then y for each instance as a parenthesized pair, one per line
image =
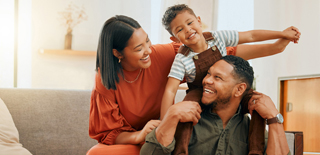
(242, 71)
(172, 12)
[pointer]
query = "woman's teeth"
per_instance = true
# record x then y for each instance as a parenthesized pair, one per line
(145, 58)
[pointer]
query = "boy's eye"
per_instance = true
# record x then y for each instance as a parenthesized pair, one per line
(179, 30)
(190, 23)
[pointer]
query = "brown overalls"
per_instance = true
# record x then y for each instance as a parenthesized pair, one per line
(203, 61)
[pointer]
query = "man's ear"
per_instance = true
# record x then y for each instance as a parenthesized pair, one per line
(174, 39)
(117, 54)
(240, 89)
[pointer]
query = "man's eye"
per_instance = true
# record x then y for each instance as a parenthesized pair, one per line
(217, 77)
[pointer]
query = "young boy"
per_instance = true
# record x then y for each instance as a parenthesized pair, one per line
(199, 52)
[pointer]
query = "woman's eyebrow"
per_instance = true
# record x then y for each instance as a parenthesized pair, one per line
(137, 46)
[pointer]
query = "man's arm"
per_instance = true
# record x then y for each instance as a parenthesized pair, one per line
(160, 141)
(186, 111)
(291, 33)
(277, 142)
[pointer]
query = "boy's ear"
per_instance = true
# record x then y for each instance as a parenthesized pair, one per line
(199, 20)
(174, 39)
(240, 89)
(117, 54)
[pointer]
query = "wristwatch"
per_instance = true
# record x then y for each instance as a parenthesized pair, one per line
(277, 119)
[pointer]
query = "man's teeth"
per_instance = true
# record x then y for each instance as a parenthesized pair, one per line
(145, 58)
(208, 91)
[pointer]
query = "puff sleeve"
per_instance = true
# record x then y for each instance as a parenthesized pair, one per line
(105, 120)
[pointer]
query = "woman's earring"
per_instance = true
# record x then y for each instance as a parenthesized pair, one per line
(119, 61)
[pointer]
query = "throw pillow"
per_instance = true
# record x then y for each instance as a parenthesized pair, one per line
(9, 135)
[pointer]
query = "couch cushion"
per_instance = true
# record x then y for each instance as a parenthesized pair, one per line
(9, 136)
(51, 121)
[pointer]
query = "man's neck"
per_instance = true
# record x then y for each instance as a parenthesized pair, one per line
(226, 111)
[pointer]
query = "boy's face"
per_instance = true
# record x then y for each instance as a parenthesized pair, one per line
(186, 29)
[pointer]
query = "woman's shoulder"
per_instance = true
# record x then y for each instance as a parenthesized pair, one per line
(166, 48)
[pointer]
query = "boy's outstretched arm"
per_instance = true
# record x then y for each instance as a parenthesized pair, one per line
(169, 95)
(248, 52)
(291, 33)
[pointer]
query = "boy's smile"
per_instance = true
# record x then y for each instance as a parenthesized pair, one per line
(186, 29)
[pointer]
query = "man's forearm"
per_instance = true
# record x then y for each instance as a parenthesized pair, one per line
(277, 142)
(167, 128)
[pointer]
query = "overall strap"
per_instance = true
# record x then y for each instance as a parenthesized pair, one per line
(185, 50)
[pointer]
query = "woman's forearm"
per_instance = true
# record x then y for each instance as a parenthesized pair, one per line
(128, 138)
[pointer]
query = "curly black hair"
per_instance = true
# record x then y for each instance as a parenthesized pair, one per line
(172, 12)
(241, 69)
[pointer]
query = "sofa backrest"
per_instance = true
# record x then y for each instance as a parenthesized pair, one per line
(50, 121)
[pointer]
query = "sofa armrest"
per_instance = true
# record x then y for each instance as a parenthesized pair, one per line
(295, 142)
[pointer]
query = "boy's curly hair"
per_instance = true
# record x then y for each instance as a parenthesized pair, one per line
(172, 12)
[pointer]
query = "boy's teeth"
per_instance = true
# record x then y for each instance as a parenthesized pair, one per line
(191, 35)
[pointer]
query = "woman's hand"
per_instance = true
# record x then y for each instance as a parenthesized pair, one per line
(146, 129)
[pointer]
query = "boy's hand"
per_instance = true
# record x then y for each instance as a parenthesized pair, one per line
(292, 33)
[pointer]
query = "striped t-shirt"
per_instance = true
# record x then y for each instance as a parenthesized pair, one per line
(183, 66)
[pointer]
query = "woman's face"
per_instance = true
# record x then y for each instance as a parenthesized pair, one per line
(136, 54)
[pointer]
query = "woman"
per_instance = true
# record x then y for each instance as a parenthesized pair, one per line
(129, 84)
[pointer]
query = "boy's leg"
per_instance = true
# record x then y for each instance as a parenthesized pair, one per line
(184, 130)
(256, 129)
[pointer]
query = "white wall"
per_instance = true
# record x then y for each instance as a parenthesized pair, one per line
(74, 72)
(298, 59)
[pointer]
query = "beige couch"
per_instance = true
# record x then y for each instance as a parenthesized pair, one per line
(55, 122)
(51, 122)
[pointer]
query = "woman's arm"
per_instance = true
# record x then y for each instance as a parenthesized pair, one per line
(247, 52)
(169, 95)
(137, 137)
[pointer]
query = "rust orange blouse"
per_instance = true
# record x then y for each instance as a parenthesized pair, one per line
(132, 105)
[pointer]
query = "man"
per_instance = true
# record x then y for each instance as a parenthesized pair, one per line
(222, 129)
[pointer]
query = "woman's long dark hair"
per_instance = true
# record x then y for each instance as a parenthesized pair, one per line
(115, 34)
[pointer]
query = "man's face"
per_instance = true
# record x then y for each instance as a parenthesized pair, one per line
(218, 84)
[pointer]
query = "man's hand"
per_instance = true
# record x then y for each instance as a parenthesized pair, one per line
(187, 111)
(147, 129)
(263, 105)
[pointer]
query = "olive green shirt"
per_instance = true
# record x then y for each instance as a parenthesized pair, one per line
(209, 137)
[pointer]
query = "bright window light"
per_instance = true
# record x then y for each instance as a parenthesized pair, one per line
(6, 42)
